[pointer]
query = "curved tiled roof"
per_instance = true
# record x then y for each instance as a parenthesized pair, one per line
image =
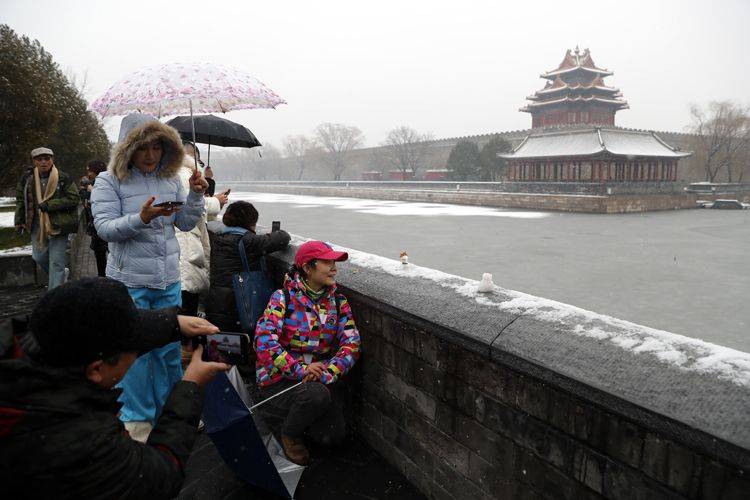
(593, 141)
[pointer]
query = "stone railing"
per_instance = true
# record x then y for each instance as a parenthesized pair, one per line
(504, 395)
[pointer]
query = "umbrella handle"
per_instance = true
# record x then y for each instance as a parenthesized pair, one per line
(274, 396)
(192, 124)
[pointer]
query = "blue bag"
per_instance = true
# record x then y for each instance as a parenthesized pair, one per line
(252, 290)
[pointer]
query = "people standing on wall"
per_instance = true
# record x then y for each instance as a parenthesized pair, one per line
(46, 206)
(132, 211)
(97, 245)
(307, 333)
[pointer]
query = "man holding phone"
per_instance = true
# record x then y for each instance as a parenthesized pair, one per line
(59, 432)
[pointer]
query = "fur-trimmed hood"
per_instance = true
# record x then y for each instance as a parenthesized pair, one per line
(141, 133)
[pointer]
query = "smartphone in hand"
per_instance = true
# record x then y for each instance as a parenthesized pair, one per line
(169, 204)
(225, 347)
(275, 226)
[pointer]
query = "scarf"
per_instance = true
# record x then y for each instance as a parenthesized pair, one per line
(45, 224)
(314, 295)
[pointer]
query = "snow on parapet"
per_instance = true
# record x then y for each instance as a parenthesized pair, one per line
(686, 353)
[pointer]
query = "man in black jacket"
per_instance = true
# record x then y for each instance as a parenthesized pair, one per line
(59, 432)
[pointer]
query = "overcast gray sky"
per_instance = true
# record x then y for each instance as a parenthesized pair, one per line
(450, 68)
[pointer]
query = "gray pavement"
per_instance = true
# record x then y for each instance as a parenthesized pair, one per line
(686, 271)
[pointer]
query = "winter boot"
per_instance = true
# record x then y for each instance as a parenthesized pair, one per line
(295, 450)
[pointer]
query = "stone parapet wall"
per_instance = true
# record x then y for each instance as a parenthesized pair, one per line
(18, 270)
(471, 401)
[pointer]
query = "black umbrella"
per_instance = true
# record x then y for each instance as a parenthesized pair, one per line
(210, 129)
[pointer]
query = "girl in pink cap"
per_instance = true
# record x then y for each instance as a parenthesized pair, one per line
(307, 333)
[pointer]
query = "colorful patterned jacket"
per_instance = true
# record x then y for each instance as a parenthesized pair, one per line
(312, 330)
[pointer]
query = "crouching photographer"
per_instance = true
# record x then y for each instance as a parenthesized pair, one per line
(59, 432)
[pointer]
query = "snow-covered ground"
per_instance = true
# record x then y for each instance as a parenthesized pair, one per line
(6, 219)
(25, 250)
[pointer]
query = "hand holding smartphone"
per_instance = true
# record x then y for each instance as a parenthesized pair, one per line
(275, 226)
(169, 204)
(225, 347)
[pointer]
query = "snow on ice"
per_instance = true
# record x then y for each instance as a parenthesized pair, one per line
(384, 207)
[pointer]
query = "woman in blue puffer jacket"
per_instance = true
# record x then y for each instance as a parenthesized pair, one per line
(144, 253)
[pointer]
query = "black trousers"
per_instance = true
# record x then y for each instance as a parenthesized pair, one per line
(312, 408)
(189, 303)
(100, 248)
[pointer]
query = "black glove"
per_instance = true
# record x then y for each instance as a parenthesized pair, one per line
(43, 206)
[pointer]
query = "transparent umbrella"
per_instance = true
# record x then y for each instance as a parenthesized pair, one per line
(172, 89)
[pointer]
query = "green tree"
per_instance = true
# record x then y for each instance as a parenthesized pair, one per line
(464, 160)
(39, 106)
(491, 165)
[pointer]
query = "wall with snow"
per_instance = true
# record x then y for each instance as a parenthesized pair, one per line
(503, 395)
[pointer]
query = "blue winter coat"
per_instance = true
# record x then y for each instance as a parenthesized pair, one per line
(143, 255)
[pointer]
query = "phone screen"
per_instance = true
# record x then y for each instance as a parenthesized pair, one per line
(169, 204)
(226, 347)
(275, 225)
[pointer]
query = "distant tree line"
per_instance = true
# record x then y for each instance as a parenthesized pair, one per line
(722, 140)
(40, 106)
(327, 152)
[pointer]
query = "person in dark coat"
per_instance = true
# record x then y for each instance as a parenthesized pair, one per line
(59, 432)
(98, 245)
(239, 223)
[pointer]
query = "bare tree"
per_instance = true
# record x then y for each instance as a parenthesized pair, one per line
(79, 82)
(298, 147)
(723, 139)
(406, 149)
(337, 140)
(270, 162)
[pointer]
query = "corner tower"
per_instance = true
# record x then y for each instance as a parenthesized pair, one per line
(574, 94)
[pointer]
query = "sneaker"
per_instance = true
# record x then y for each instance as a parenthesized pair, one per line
(295, 450)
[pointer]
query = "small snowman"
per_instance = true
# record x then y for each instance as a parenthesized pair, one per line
(404, 257)
(485, 284)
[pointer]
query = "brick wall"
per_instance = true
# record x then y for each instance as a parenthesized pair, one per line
(463, 413)
(458, 425)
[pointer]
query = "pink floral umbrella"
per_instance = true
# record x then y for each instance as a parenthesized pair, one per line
(172, 89)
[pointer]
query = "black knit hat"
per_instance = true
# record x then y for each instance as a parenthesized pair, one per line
(86, 320)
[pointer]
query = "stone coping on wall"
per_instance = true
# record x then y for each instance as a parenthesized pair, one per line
(688, 390)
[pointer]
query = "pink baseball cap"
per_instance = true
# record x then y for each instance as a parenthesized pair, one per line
(317, 250)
